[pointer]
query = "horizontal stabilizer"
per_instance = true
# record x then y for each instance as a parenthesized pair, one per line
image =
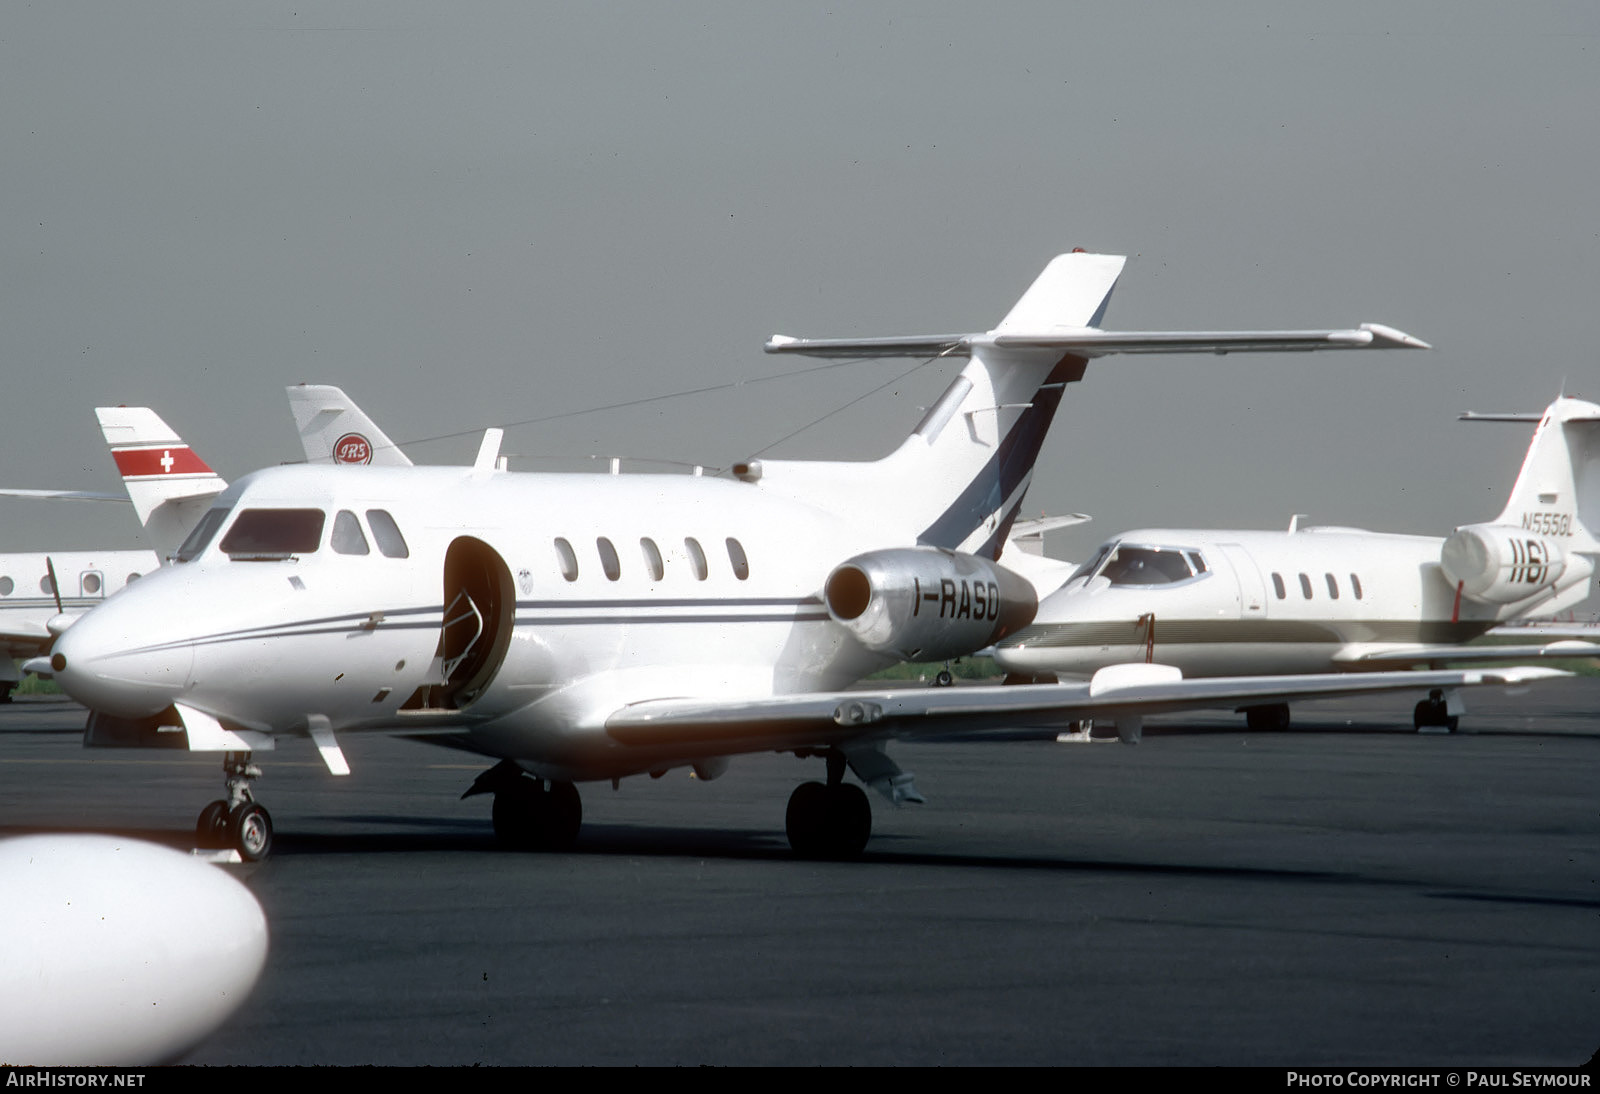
(1091, 342)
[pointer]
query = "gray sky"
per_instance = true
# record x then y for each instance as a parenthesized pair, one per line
(471, 214)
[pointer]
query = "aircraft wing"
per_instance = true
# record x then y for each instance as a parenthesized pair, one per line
(1123, 694)
(1412, 655)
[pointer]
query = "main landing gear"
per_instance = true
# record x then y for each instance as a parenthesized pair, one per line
(237, 823)
(1433, 714)
(832, 820)
(1270, 718)
(530, 814)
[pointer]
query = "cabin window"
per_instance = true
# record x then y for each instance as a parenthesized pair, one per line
(91, 584)
(131, 579)
(47, 585)
(347, 538)
(697, 558)
(387, 533)
(609, 562)
(1305, 586)
(1277, 586)
(1146, 566)
(199, 539)
(741, 564)
(1333, 587)
(1355, 585)
(274, 534)
(568, 558)
(6, 586)
(652, 558)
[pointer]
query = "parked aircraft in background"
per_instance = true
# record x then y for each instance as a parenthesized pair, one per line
(334, 430)
(591, 627)
(42, 592)
(1224, 603)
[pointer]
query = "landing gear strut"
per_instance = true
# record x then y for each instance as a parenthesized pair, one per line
(1434, 713)
(530, 814)
(832, 820)
(237, 823)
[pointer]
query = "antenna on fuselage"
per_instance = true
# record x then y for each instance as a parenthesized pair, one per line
(489, 451)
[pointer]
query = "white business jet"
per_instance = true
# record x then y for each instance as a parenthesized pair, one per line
(582, 627)
(43, 592)
(1219, 603)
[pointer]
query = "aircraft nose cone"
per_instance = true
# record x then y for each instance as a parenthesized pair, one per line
(109, 668)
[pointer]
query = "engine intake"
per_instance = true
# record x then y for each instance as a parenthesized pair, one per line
(926, 603)
(1499, 564)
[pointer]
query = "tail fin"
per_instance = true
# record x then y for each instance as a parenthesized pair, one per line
(1557, 492)
(333, 429)
(169, 485)
(959, 480)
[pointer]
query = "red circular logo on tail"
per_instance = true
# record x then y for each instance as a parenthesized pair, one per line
(352, 448)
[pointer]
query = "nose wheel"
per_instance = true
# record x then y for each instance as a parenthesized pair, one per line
(237, 823)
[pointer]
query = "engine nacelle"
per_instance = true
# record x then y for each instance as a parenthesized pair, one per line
(926, 603)
(1499, 564)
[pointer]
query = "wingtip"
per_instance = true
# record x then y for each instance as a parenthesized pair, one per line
(1397, 339)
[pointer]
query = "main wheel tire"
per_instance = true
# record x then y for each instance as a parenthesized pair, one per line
(944, 679)
(828, 822)
(211, 830)
(849, 821)
(519, 814)
(250, 831)
(804, 819)
(563, 817)
(1273, 718)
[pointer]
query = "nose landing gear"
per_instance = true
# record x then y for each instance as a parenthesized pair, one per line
(237, 823)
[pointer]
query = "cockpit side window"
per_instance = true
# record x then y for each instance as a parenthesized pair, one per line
(274, 533)
(390, 542)
(1147, 566)
(347, 538)
(200, 538)
(1093, 564)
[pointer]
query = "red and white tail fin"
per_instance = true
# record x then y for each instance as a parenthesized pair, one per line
(334, 430)
(169, 485)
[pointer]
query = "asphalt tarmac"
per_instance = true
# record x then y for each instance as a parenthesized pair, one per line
(1344, 893)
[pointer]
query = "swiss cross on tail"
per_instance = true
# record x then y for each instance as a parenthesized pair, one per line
(138, 463)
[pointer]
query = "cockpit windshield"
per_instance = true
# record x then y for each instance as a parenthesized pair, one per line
(1125, 564)
(267, 534)
(200, 537)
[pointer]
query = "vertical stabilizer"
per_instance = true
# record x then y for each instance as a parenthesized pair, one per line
(333, 429)
(1557, 491)
(170, 486)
